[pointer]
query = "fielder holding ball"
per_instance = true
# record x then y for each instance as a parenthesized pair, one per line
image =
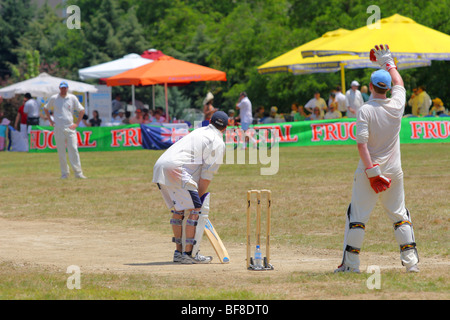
(379, 173)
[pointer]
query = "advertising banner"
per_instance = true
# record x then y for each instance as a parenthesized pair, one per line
(290, 134)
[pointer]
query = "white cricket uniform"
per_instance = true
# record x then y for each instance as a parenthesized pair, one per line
(378, 124)
(63, 108)
(179, 169)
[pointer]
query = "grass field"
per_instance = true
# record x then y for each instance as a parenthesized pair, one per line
(310, 193)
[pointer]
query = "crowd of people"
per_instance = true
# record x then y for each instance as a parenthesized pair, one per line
(342, 105)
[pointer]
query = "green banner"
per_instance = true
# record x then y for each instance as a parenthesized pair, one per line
(126, 137)
(303, 133)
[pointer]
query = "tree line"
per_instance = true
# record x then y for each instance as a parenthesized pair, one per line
(235, 36)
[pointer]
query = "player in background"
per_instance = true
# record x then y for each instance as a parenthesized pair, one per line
(183, 174)
(379, 173)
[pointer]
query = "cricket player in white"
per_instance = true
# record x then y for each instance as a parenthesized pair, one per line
(379, 173)
(63, 105)
(183, 174)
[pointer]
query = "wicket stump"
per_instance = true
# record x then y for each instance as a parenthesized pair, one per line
(268, 193)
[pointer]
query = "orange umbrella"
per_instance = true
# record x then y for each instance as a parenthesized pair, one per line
(168, 71)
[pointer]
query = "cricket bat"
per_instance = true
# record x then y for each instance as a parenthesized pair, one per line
(216, 242)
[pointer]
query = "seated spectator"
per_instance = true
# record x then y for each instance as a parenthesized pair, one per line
(438, 107)
(127, 118)
(317, 114)
(157, 118)
(146, 118)
(301, 114)
(120, 116)
(333, 113)
(137, 119)
(317, 101)
(274, 116)
(259, 115)
(95, 121)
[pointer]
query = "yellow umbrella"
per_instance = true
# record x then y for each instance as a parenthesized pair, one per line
(293, 62)
(405, 37)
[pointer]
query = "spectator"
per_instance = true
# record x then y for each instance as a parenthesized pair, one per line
(3, 133)
(413, 103)
(157, 118)
(120, 116)
(274, 116)
(95, 121)
(423, 101)
(208, 108)
(332, 101)
(333, 113)
(301, 115)
(260, 115)
(83, 123)
(354, 100)
(317, 114)
(364, 93)
(146, 118)
(438, 107)
(244, 106)
(31, 108)
(342, 104)
(127, 117)
(231, 118)
(46, 121)
(317, 101)
(21, 120)
(137, 119)
(116, 103)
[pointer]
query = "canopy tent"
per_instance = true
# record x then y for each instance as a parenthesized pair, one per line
(405, 37)
(111, 68)
(293, 62)
(44, 86)
(168, 71)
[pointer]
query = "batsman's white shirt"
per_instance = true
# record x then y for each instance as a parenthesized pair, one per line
(197, 155)
(378, 124)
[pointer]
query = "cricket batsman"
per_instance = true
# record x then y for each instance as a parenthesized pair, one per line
(379, 173)
(183, 174)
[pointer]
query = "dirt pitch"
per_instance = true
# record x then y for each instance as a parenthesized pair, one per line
(59, 244)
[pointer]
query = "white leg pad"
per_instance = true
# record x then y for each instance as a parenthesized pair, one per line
(201, 222)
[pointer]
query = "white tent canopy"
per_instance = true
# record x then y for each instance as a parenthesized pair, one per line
(44, 86)
(111, 68)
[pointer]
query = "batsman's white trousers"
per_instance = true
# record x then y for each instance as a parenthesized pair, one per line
(363, 202)
(67, 138)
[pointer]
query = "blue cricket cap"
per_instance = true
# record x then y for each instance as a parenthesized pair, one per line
(63, 84)
(220, 120)
(381, 79)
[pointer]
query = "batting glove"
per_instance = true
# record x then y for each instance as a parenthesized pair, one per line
(378, 182)
(382, 57)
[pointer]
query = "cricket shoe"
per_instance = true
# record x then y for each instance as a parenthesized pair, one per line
(177, 256)
(80, 176)
(188, 259)
(412, 269)
(344, 268)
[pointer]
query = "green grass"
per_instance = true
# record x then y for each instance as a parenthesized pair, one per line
(310, 193)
